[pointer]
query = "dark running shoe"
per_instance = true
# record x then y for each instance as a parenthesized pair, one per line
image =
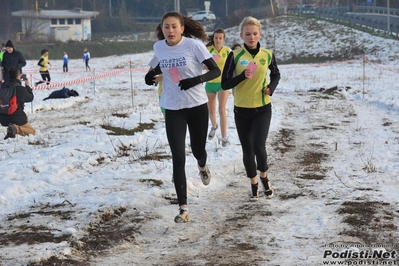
(11, 131)
(255, 192)
(269, 190)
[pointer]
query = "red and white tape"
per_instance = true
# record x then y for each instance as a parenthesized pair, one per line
(79, 80)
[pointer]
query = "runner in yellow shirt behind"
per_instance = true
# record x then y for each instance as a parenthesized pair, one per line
(213, 87)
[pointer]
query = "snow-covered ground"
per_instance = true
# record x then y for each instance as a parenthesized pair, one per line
(75, 194)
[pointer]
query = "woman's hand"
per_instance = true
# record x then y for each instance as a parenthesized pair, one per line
(158, 78)
(248, 73)
(267, 91)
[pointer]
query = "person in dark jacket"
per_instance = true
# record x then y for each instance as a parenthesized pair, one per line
(17, 123)
(63, 93)
(12, 58)
(2, 51)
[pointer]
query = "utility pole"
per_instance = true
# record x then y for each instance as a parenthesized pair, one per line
(177, 5)
(227, 12)
(271, 4)
(388, 20)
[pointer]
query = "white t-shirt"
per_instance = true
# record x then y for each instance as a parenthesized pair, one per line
(187, 56)
(153, 62)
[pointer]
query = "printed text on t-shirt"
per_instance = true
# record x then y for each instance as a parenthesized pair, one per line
(173, 62)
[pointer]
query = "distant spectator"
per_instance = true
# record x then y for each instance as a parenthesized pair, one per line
(65, 65)
(43, 68)
(86, 58)
(17, 123)
(235, 46)
(13, 58)
(3, 49)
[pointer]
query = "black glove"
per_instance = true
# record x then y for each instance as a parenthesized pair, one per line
(149, 78)
(185, 84)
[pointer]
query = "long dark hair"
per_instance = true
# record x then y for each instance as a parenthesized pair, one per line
(192, 28)
(211, 41)
(234, 46)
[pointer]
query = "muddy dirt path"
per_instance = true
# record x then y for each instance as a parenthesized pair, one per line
(313, 205)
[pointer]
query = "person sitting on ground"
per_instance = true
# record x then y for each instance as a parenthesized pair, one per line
(17, 123)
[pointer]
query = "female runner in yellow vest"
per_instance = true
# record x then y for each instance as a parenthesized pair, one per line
(213, 87)
(247, 69)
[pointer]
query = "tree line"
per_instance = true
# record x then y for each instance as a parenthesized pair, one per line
(119, 15)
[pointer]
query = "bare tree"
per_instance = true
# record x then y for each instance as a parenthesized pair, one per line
(124, 15)
(33, 27)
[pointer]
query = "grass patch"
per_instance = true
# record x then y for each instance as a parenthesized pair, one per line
(28, 234)
(24, 231)
(312, 157)
(371, 221)
(152, 182)
(120, 131)
(53, 260)
(172, 200)
(284, 138)
(156, 156)
(311, 176)
(120, 115)
(290, 196)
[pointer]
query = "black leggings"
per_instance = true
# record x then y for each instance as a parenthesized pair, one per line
(176, 122)
(253, 127)
(87, 64)
(45, 77)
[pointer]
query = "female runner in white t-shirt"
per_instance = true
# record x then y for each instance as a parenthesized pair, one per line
(181, 60)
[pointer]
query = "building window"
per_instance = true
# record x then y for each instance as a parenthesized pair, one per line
(61, 21)
(70, 21)
(78, 21)
(53, 21)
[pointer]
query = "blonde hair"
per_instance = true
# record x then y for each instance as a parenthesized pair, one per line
(249, 21)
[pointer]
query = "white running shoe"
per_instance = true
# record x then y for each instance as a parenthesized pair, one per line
(225, 142)
(205, 175)
(182, 217)
(212, 133)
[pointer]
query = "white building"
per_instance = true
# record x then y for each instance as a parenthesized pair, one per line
(60, 25)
